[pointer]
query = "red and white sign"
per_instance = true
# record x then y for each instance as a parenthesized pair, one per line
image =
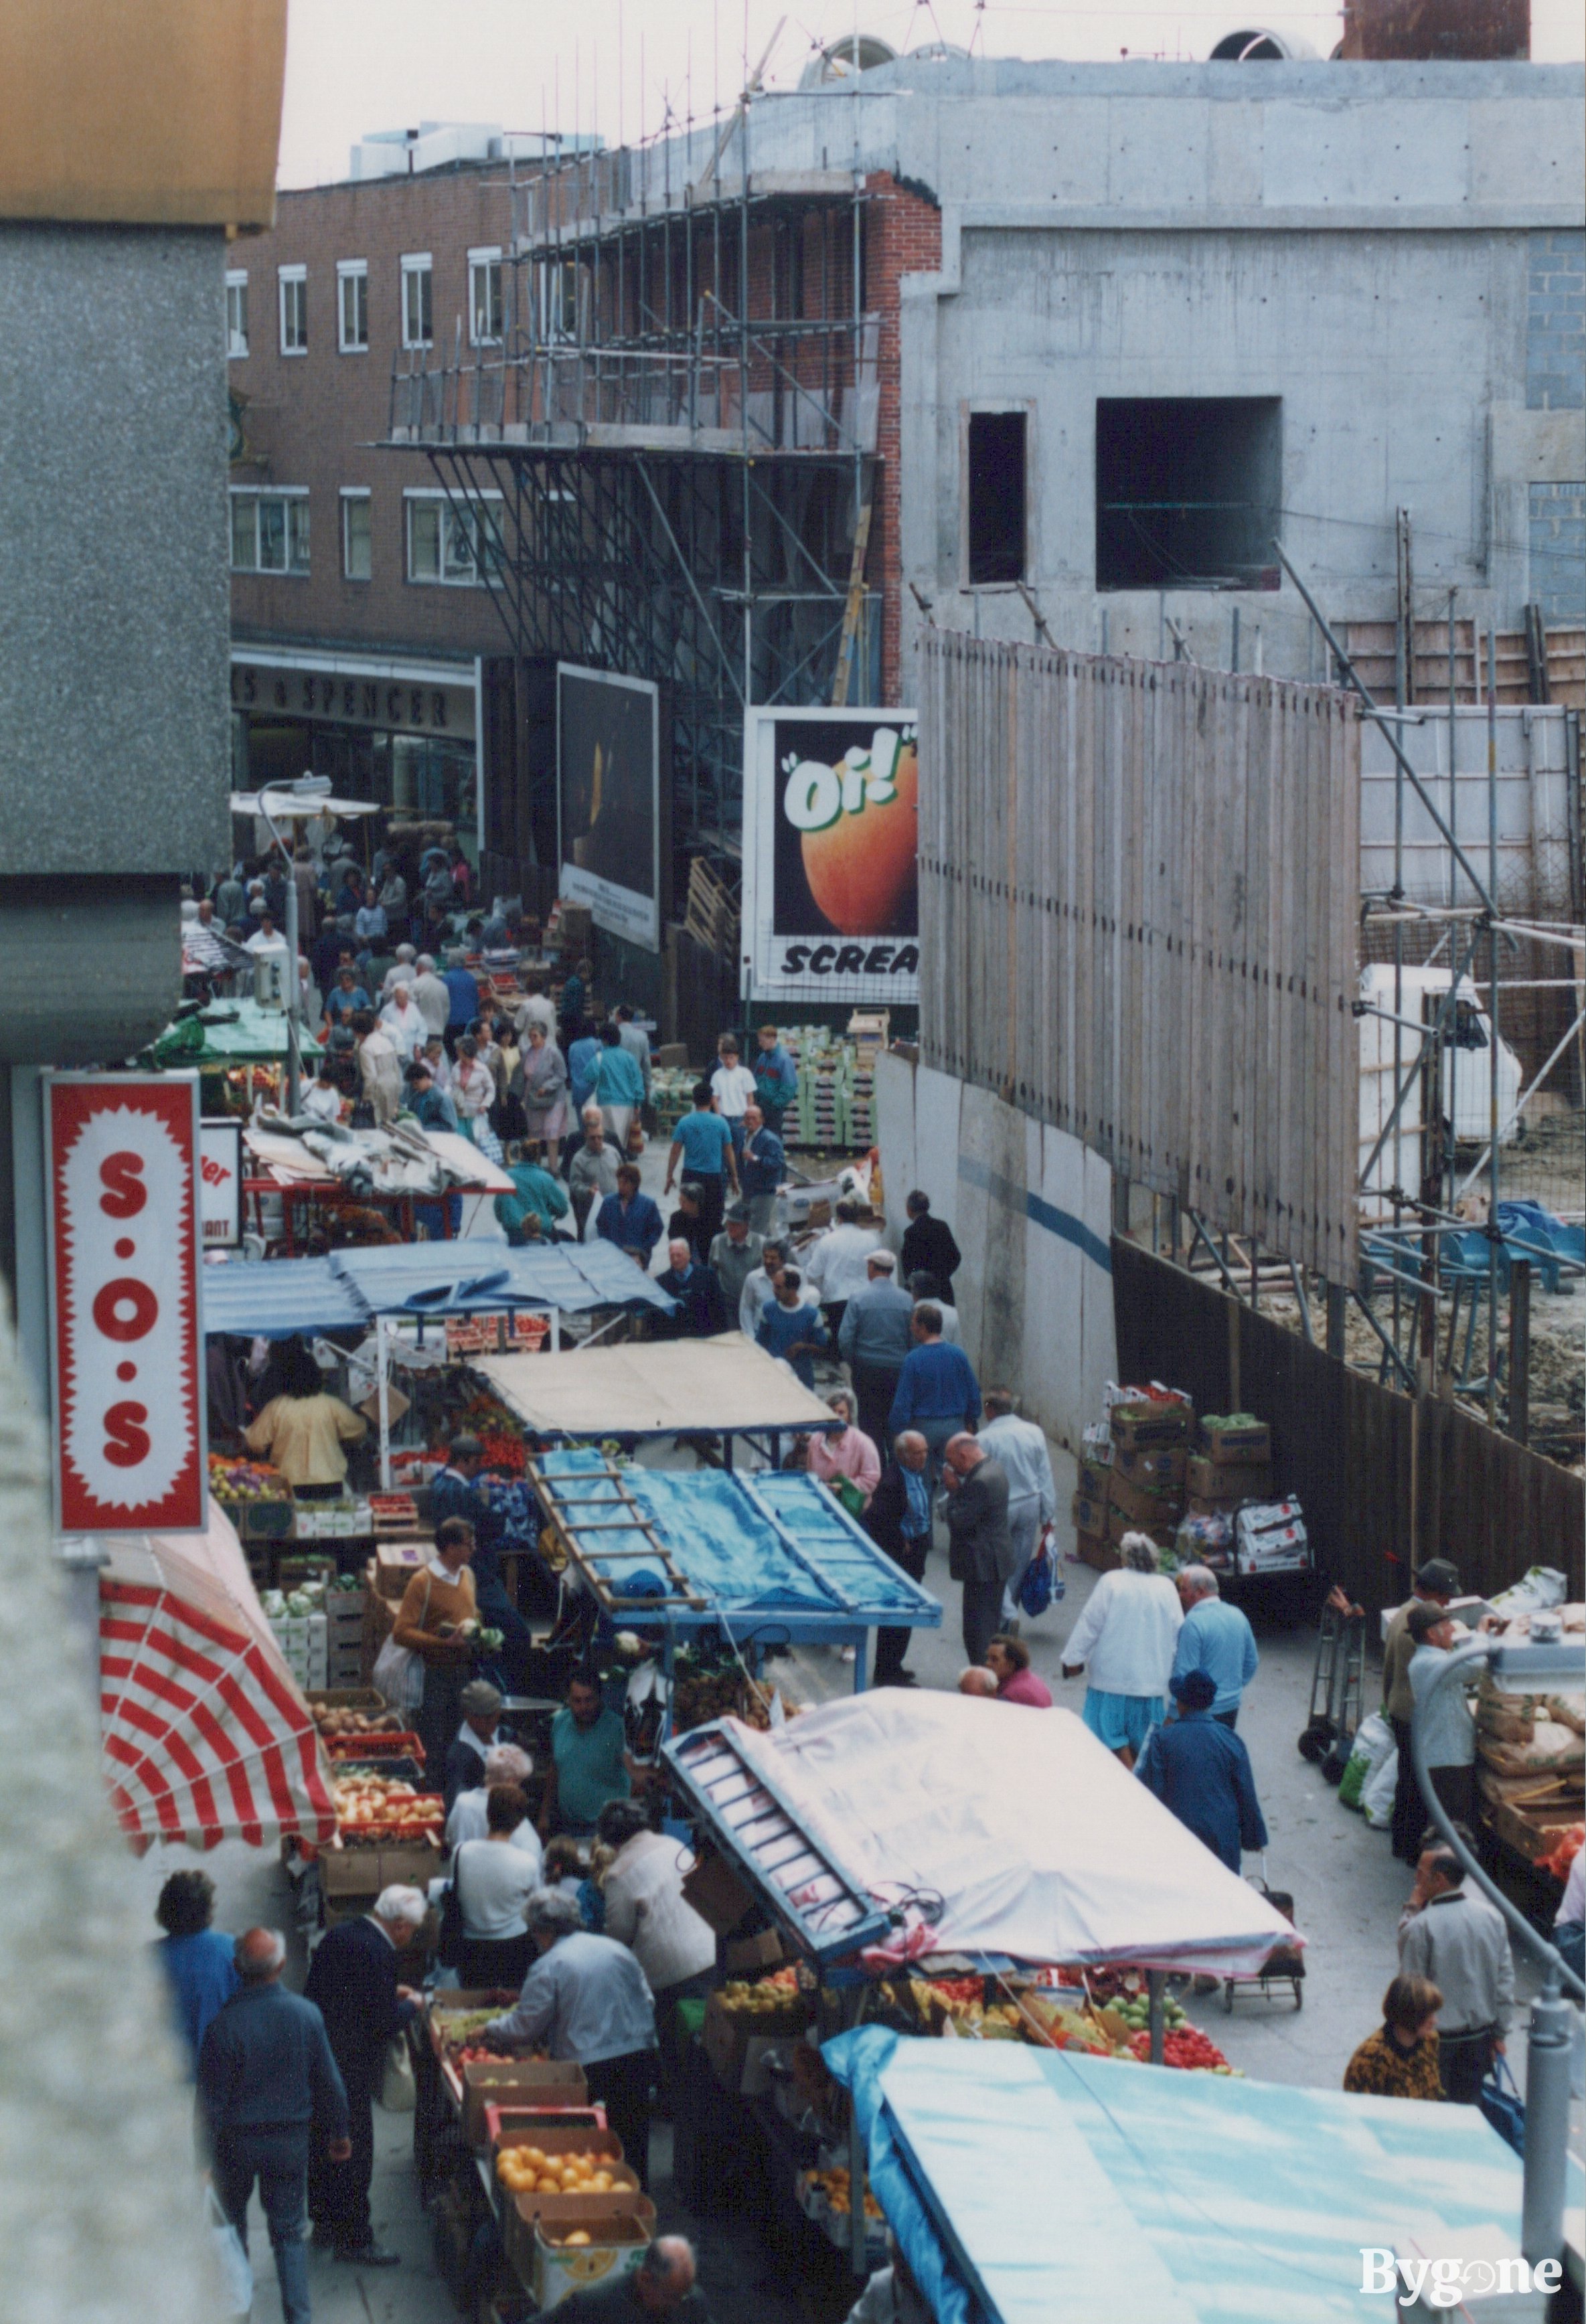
(220, 1185)
(121, 1158)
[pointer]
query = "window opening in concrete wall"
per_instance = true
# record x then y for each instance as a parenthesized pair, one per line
(236, 311)
(418, 301)
(294, 310)
(1188, 491)
(356, 538)
(997, 514)
(352, 284)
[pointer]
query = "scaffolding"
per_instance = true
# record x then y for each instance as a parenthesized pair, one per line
(679, 416)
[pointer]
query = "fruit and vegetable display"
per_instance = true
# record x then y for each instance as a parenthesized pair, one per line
(529, 2171)
(777, 1996)
(381, 1808)
(235, 1483)
(393, 1513)
(1187, 2048)
(701, 1693)
(833, 2187)
(1559, 1860)
(456, 2028)
(479, 2053)
(333, 1723)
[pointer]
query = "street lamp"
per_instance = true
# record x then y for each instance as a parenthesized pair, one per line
(305, 794)
(1547, 2067)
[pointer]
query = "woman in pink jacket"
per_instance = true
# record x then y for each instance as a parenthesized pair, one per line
(849, 1457)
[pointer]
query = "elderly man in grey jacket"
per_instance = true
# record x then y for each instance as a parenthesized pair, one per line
(980, 1547)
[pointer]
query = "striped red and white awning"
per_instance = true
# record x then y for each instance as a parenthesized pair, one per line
(206, 1733)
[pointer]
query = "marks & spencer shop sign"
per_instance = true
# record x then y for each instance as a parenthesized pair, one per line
(395, 704)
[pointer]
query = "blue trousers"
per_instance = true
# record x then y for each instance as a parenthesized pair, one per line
(279, 2159)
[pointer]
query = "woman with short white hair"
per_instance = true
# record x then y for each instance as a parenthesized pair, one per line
(1127, 1633)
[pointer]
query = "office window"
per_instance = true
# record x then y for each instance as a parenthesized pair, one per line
(1188, 491)
(269, 531)
(236, 311)
(356, 545)
(486, 303)
(453, 546)
(352, 293)
(294, 310)
(997, 497)
(418, 301)
(561, 299)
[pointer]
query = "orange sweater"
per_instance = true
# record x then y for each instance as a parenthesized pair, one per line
(427, 1603)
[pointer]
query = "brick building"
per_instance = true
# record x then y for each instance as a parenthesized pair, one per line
(365, 646)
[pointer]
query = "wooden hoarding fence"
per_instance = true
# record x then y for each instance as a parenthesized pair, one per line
(1139, 892)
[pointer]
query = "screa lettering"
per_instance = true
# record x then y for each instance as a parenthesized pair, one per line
(849, 960)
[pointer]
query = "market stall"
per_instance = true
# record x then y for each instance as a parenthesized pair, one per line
(206, 1735)
(724, 1386)
(1185, 2198)
(311, 1171)
(768, 1558)
(239, 1049)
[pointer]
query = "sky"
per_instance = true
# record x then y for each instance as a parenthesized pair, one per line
(617, 66)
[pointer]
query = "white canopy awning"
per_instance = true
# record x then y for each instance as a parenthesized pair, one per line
(1038, 1841)
(673, 1389)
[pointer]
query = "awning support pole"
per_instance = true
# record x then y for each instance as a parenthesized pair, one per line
(382, 1359)
(1155, 1988)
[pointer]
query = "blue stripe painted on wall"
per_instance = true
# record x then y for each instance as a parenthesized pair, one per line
(1044, 1214)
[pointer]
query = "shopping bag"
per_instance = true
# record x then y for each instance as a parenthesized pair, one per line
(1377, 1794)
(1373, 1742)
(236, 2273)
(399, 1673)
(1042, 1581)
(398, 2092)
(1502, 2105)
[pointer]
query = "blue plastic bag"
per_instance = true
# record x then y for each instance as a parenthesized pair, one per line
(1042, 1580)
(1504, 2108)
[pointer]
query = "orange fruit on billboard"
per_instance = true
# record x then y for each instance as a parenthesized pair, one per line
(860, 867)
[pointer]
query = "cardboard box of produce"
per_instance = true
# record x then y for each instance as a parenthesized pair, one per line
(552, 2136)
(1089, 1516)
(266, 1520)
(396, 1562)
(366, 1871)
(1160, 1531)
(1152, 1427)
(618, 2227)
(1224, 1482)
(737, 2039)
(366, 1699)
(1095, 1550)
(1140, 1504)
(745, 1955)
(504, 2124)
(1159, 1471)
(715, 1891)
(1093, 1481)
(486, 2081)
(1236, 1442)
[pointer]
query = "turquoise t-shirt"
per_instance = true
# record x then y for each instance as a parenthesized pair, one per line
(589, 1765)
(705, 1142)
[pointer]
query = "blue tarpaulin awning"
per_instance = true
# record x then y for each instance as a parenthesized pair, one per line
(278, 1299)
(1177, 2198)
(772, 1543)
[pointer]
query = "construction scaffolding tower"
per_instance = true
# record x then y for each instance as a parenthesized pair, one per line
(679, 416)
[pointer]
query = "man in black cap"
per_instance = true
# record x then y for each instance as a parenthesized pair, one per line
(480, 1732)
(1436, 1583)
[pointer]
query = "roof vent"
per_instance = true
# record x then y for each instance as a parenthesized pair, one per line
(1256, 46)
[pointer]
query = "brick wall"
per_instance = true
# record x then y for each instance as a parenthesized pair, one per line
(311, 419)
(1556, 381)
(903, 236)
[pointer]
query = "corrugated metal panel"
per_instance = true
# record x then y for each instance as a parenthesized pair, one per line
(1138, 889)
(281, 1298)
(445, 1278)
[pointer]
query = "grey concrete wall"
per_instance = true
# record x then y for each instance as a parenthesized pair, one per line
(114, 603)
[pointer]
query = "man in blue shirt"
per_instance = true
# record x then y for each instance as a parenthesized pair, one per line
(789, 1329)
(1202, 1773)
(1214, 1638)
(197, 1959)
(703, 1143)
(937, 1392)
(874, 1340)
(776, 1077)
(764, 1165)
(464, 989)
(628, 1218)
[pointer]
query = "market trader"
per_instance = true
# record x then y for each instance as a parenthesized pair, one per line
(937, 1393)
(875, 1340)
(1436, 1584)
(587, 1998)
(980, 1547)
(353, 1981)
(478, 1736)
(1215, 1637)
(589, 1761)
(268, 2087)
(702, 1144)
(459, 1491)
(1201, 1771)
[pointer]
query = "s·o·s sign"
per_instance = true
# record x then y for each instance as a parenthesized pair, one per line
(121, 1153)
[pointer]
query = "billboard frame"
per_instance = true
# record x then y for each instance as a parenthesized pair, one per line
(653, 940)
